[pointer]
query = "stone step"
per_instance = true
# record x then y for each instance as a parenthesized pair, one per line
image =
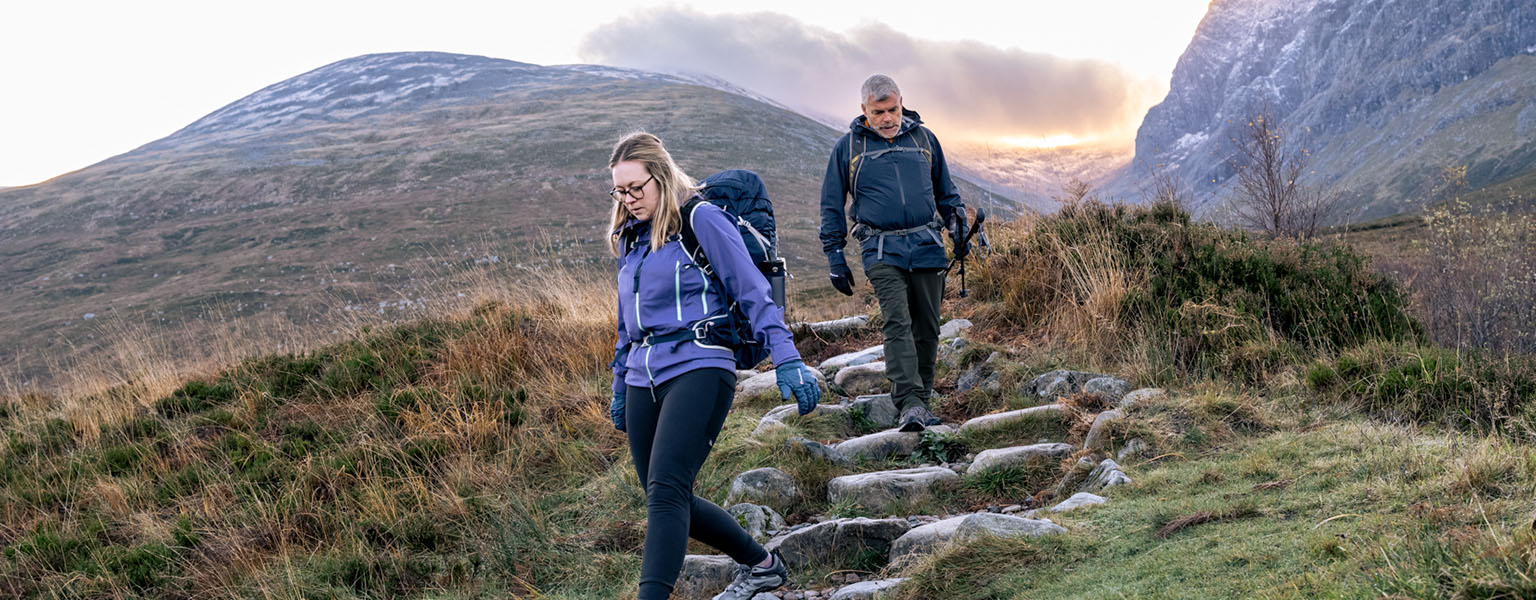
(838, 543)
(831, 328)
(783, 413)
(1033, 455)
(763, 383)
(927, 538)
(865, 379)
(885, 444)
(880, 490)
(1052, 413)
(766, 486)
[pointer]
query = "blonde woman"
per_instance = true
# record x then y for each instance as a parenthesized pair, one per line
(672, 389)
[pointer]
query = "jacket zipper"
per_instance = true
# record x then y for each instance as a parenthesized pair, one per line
(677, 287)
(900, 189)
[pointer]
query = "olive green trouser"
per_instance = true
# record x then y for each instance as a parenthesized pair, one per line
(909, 303)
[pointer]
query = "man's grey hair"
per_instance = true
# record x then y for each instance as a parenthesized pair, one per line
(878, 88)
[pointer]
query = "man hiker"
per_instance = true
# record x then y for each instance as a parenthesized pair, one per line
(890, 173)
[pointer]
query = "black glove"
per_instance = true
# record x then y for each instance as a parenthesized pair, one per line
(957, 231)
(842, 278)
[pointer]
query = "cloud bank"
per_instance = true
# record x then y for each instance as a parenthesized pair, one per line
(967, 89)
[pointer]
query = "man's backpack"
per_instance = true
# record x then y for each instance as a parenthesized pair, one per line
(742, 195)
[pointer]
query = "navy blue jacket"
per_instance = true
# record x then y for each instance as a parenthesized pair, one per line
(895, 191)
(664, 292)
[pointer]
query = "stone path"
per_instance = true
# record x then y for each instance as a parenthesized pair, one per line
(845, 548)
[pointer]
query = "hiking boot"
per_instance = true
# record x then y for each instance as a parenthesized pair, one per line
(917, 418)
(751, 581)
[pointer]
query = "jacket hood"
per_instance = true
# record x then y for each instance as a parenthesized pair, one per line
(909, 120)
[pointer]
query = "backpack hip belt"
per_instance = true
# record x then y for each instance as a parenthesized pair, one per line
(863, 231)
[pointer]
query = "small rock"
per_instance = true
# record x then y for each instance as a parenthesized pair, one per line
(819, 450)
(1141, 396)
(1075, 477)
(1107, 474)
(1012, 508)
(1055, 384)
(832, 328)
(757, 520)
(865, 356)
(953, 328)
(951, 347)
(868, 590)
(1078, 500)
(1053, 412)
(1135, 448)
(704, 575)
(878, 409)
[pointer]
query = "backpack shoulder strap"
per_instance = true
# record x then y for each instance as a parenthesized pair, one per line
(924, 140)
(690, 240)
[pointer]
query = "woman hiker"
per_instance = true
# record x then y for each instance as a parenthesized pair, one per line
(671, 391)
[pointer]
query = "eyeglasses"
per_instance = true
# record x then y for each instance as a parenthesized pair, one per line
(638, 192)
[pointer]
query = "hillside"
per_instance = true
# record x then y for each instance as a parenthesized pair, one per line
(1381, 94)
(1230, 417)
(365, 187)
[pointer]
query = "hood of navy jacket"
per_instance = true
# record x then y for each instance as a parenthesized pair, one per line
(664, 291)
(897, 184)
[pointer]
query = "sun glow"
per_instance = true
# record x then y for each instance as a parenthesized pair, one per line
(1050, 141)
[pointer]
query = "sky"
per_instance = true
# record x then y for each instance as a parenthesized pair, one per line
(81, 81)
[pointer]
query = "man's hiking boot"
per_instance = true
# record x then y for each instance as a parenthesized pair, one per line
(751, 581)
(917, 418)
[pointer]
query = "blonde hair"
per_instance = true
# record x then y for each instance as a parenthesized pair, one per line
(673, 185)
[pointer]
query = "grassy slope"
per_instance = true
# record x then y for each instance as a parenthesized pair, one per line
(459, 457)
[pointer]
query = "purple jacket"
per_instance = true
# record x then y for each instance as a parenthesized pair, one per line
(663, 292)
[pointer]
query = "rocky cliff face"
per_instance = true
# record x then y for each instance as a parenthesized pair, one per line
(1380, 92)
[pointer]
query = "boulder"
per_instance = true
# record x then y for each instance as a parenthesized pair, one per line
(865, 356)
(884, 489)
(877, 446)
(703, 576)
(1020, 456)
(1111, 389)
(1107, 474)
(1141, 396)
(838, 542)
(868, 378)
(868, 590)
(745, 374)
(1098, 433)
(760, 521)
(928, 538)
(767, 486)
(1055, 412)
(953, 329)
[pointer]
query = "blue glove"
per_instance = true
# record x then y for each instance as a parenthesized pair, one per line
(797, 379)
(616, 409)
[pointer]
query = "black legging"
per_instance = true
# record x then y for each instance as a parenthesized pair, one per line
(670, 433)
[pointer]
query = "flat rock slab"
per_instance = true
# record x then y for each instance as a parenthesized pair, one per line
(929, 537)
(867, 355)
(863, 379)
(837, 543)
(884, 444)
(1020, 456)
(831, 328)
(999, 420)
(882, 489)
(868, 590)
(703, 576)
(767, 486)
